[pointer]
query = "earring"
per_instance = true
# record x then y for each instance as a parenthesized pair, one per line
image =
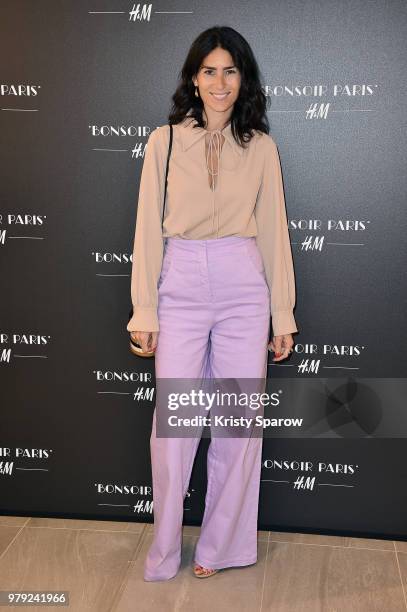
(196, 91)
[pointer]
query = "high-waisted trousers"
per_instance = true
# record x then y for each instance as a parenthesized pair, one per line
(214, 317)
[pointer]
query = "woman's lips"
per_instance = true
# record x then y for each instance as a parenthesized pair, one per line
(220, 96)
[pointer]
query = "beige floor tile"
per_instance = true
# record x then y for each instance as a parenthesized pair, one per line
(402, 563)
(370, 543)
(91, 565)
(263, 536)
(65, 523)
(329, 540)
(331, 579)
(307, 538)
(14, 520)
(101, 564)
(232, 589)
(400, 546)
(7, 534)
(136, 527)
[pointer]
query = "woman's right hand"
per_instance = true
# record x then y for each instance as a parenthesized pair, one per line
(147, 340)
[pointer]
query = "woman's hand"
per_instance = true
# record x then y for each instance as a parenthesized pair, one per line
(281, 345)
(147, 340)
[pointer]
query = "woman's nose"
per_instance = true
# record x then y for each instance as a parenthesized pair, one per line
(220, 82)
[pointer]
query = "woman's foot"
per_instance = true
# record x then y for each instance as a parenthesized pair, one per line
(203, 572)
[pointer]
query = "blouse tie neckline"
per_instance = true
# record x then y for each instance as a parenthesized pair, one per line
(215, 143)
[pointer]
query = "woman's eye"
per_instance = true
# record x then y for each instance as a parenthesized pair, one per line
(228, 71)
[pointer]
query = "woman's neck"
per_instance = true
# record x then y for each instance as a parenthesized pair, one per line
(212, 127)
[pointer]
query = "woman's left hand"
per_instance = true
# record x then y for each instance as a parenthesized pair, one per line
(281, 346)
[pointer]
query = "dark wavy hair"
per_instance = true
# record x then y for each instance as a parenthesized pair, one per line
(250, 108)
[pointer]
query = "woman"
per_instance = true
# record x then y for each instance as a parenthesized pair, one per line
(205, 283)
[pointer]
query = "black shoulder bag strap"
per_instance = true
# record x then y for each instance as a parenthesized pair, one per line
(166, 172)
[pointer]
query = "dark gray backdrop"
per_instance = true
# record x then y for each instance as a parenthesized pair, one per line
(80, 91)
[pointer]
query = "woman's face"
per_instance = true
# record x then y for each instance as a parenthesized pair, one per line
(218, 81)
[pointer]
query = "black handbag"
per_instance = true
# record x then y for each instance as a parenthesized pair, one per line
(135, 348)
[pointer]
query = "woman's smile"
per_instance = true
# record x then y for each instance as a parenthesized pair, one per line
(220, 96)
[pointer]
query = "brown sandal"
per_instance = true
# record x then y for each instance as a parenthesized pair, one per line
(203, 572)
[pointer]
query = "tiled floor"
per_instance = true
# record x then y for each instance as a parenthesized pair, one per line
(100, 563)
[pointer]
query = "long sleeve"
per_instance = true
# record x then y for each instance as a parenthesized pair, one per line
(274, 242)
(148, 239)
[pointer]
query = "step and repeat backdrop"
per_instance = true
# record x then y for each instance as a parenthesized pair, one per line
(82, 85)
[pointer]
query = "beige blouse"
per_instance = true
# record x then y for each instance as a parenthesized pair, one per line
(241, 194)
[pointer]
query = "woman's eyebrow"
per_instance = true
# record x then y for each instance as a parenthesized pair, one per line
(214, 67)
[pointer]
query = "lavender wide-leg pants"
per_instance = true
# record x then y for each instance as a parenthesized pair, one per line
(214, 316)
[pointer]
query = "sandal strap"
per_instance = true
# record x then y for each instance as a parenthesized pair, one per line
(205, 570)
